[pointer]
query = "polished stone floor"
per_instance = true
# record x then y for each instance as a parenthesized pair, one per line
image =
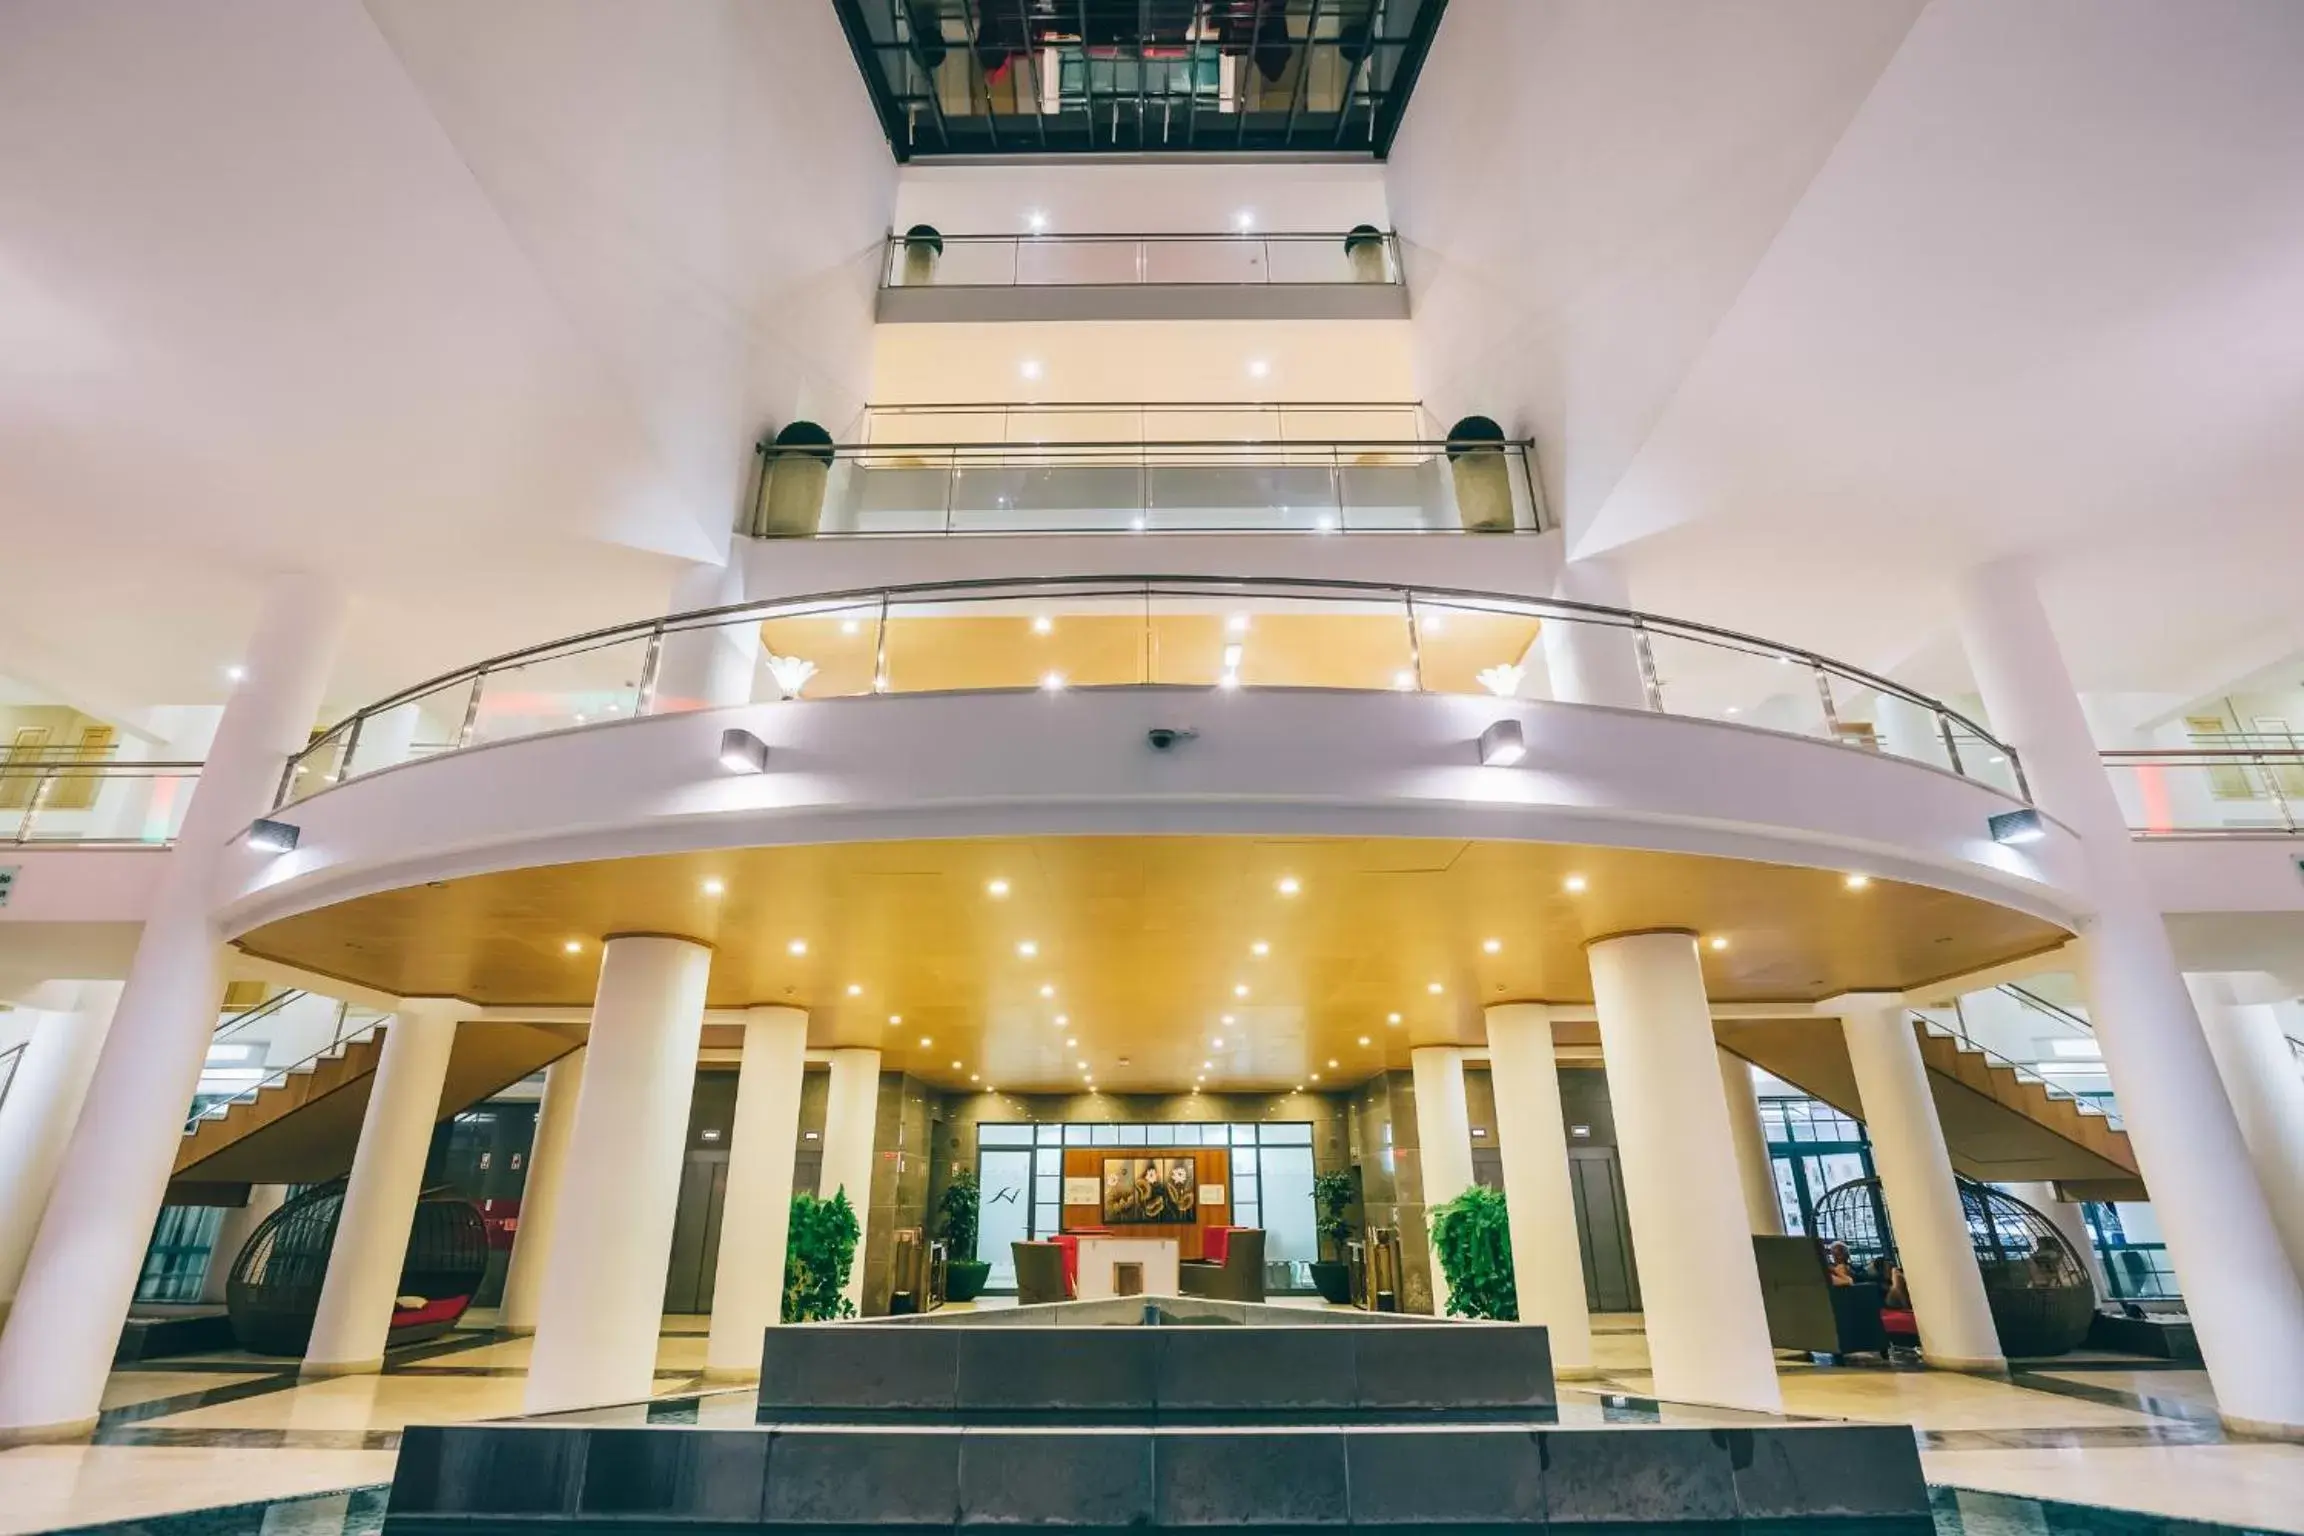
(243, 1443)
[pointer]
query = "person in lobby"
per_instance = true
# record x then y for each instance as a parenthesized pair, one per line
(1837, 1267)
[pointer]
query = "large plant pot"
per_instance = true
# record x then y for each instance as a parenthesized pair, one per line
(922, 245)
(1333, 1282)
(1483, 474)
(964, 1279)
(1364, 252)
(799, 464)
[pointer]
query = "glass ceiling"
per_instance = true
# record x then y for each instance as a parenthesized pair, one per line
(991, 77)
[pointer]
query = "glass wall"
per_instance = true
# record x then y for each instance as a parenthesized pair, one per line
(1271, 1184)
(1812, 1148)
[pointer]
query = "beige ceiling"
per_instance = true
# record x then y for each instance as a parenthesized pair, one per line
(1142, 941)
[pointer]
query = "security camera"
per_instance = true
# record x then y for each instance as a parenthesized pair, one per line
(1163, 737)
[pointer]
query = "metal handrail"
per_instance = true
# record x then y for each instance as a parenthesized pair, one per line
(341, 1037)
(897, 245)
(263, 1010)
(1641, 627)
(2268, 761)
(2031, 999)
(10, 1060)
(1968, 1042)
(47, 767)
(1147, 413)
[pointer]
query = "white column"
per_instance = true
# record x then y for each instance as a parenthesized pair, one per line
(748, 1284)
(1532, 1140)
(2260, 1077)
(1699, 1282)
(540, 1195)
(2067, 1219)
(1762, 1210)
(851, 1105)
(705, 668)
(1591, 662)
(371, 1246)
(1443, 1143)
(66, 1323)
(2246, 1303)
(232, 1233)
(604, 1274)
(1956, 1331)
(37, 1117)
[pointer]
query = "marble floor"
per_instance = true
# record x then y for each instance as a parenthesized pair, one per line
(233, 1430)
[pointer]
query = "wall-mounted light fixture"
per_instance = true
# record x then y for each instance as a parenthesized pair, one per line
(1502, 745)
(2024, 826)
(273, 836)
(742, 752)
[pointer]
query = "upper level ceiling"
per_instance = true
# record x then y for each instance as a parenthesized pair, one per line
(1036, 77)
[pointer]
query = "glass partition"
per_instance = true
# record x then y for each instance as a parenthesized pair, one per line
(2209, 792)
(59, 798)
(1235, 259)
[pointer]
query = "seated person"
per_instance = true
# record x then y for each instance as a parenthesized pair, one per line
(1837, 1269)
(1894, 1296)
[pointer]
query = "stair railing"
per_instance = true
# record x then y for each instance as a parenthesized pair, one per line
(10, 1060)
(1960, 1037)
(341, 1038)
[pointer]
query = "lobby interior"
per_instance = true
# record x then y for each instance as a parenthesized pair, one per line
(1185, 649)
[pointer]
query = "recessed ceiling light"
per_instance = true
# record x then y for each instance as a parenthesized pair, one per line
(1288, 885)
(1244, 219)
(1052, 682)
(1236, 625)
(1258, 368)
(715, 887)
(1241, 990)
(1071, 1043)
(927, 1039)
(1492, 946)
(1391, 1018)
(1083, 1066)
(1036, 220)
(1332, 1063)
(971, 1076)
(236, 674)
(1719, 943)
(1030, 367)
(1315, 1077)
(1434, 988)
(1573, 885)
(855, 989)
(1206, 1065)
(1858, 882)
(1063, 1019)
(1259, 949)
(1216, 1043)
(851, 627)
(1043, 625)
(1224, 1018)
(574, 946)
(797, 947)
(995, 888)
(1027, 948)
(1364, 1040)
(895, 1018)
(1047, 989)
(955, 1066)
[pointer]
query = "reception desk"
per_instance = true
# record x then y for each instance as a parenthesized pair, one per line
(1152, 1263)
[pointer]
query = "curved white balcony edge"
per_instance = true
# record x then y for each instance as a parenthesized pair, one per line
(1271, 762)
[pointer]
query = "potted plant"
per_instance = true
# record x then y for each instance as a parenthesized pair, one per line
(922, 245)
(819, 1248)
(1472, 1240)
(1480, 467)
(798, 463)
(964, 1273)
(1332, 1195)
(1364, 249)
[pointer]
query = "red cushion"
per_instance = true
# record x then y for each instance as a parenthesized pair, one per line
(1215, 1243)
(1070, 1244)
(1899, 1323)
(445, 1309)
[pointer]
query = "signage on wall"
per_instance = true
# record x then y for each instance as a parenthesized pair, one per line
(7, 881)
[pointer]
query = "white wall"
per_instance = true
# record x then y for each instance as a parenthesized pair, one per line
(1145, 361)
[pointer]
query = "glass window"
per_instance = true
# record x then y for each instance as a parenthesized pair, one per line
(1047, 1219)
(1105, 1136)
(1076, 1133)
(1244, 1135)
(1049, 1135)
(1001, 1174)
(1286, 1206)
(1003, 1135)
(1295, 1133)
(1159, 1135)
(1047, 1185)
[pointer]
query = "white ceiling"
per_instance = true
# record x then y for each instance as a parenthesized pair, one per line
(1815, 304)
(475, 307)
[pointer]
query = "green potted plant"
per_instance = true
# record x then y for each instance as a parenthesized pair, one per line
(1332, 1196)
(1480, 467)
(964, 1273)
(819, 1248)
(798, 465)
(1364, 249)
(923, 243)
(1472, 1240)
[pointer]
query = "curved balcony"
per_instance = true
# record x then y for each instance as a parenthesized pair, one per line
(1145, 632)
(1218, 275)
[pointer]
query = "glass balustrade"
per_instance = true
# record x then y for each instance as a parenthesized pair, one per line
(1237, 259)
(59, 797)
(1187, 632)
(2240, 791)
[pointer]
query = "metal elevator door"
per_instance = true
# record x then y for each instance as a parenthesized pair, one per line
(1603, 1230)
(696, 1232)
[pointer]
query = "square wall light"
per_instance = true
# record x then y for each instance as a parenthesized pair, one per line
(2024, 826)
(743, 752)
(1502, 745)
(273, 836)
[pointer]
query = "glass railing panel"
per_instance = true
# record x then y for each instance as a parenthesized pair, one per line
(579, 685)
(1083, 263)
(97, 803)
(820, 652)
(1063, 492)
(1188, 490)
(1323, 259)
(1710, 680)
(1487, 650)
(422, 726)
(1053, 641)
(1261, 641)
(1246, 259)
(2204, 793)
(1383, 491)
(963, 264)
(1985, 760)
(890, 492)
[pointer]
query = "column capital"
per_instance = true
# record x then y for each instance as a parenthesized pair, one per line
(451, 1009)
(1851, 1005)
(775, 1013)
(1517, 1013)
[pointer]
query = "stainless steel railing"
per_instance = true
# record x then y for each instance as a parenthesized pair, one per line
(1234, 258)
(2253, 790)
(61, 798)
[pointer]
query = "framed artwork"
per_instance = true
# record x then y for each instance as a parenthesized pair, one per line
(1151, 1191)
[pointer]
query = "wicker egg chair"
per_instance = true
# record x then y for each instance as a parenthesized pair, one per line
(2041, 1297)
(273, 1292)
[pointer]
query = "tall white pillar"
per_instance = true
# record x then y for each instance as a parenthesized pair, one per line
(604, 1274)
(1956, 1330)
(1590, 662)
(65, 1326)
(1699, 1281)
(37, 1117)
(2246, 1303)
(851, 1106)
(712, 665)
(540, 1195)
(748, 1284)
(232, 1233)
(1443, 1143)
(1754, 1171)
(1532, 1140)
(371, 1246)
(2267, 1093)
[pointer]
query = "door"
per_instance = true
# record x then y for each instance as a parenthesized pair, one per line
(1488, 1167)
(696, 1233)
(1603, 1230)
(1004, 1214)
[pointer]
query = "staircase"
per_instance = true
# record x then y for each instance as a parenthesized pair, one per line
(2013, 1087)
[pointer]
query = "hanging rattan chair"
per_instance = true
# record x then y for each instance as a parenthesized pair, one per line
(2041, 1297)
(274, 1289)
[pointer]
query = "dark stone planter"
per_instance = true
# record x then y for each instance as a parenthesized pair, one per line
(964, 1279)
(1333, 1282)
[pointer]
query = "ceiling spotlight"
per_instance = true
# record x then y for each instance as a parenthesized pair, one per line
(268, 836)
(1857, 882)
(1083, 1066)
(971, 1076)
(895, 1018)
(1071, 1044)
(1063, 1019)
(1241, 990)
(236, 674)
(1434, 988)
(1719, 944)
(1236, 625)
(715, 887)
(1206, 1065)
(1036, 220)
(1047, 989)
(1404, 681)
(1332, 1063)
(742, 752)
(1391, 1018)
(1315, 1077)
(1364, 1040)
(855, 989)
(927, 1039)
(1224, 1019)
(851, 627)
(1573, 885)
(574, 946)
(1043, 625)
(1259, 949)
(1288, 885)
(1216, 1042)
(956, 1067)
(1030, 368)
(2024, 826)
(1492, 946)
(1027, 948)
(996, 888)
(797, 947)
(1052, 682)
(1258, 368)
(1502, 745)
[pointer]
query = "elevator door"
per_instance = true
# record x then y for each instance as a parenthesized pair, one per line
(1604, 1232)
(696, 1232)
